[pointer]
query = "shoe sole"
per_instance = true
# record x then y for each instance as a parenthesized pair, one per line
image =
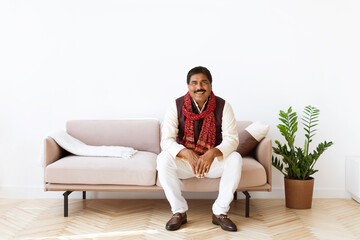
(218, 224)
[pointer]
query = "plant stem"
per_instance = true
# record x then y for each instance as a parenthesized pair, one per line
(312, 165)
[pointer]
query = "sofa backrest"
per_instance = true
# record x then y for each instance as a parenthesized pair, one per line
(140, 134)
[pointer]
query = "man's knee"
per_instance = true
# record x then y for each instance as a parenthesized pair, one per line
(164, 160)
(235, 160)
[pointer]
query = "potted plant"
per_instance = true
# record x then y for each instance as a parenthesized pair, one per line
(299, 162)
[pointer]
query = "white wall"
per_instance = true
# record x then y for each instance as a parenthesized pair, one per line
(62, 60)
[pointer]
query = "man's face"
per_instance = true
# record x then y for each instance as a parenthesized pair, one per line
(199, 88)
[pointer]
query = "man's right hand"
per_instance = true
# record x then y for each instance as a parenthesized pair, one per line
(190, 156)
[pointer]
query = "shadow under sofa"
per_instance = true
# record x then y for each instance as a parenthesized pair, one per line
(66, 172)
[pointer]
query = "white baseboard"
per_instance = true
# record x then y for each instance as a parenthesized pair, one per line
(38, 192)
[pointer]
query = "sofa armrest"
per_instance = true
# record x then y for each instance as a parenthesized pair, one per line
(52, 151)
(263, 153)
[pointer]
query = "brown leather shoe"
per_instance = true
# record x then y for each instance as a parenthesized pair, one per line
(224, 222)
(176, 221)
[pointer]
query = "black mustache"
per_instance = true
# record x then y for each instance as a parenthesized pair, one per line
(202, 90)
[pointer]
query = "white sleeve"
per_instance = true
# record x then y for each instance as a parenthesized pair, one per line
(169, 132)
(230, 139)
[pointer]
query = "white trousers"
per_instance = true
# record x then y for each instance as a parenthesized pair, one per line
(170, 170)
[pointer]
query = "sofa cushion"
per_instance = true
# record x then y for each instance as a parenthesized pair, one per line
(253, 174)
(139, 170)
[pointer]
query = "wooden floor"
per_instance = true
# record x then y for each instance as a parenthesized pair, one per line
(145, 219)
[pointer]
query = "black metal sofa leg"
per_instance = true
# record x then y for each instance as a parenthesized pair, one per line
(66, 194)
(247, 210)
(84, 194)
(235, 195)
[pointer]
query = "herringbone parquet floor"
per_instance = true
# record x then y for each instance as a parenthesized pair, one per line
(145, 219)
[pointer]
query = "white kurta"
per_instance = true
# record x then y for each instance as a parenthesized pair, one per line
(172, 168)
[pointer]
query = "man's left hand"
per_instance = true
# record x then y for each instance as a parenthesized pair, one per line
(204, 162)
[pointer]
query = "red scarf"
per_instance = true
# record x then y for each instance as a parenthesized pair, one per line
(206, 139)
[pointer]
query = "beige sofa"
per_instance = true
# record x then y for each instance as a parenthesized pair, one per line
(66, 172)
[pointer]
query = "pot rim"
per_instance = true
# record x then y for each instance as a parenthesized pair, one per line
(309, 179)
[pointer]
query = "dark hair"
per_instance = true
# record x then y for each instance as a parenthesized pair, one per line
(197, 70)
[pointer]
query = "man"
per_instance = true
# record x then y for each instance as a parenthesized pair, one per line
(199, 138)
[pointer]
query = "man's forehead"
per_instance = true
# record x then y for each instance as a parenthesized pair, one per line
(198, 77)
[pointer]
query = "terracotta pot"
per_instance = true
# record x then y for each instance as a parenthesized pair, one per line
(298, 193)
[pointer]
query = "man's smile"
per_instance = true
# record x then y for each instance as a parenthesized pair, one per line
(200, 92)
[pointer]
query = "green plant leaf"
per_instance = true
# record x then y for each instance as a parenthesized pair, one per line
(283, 114)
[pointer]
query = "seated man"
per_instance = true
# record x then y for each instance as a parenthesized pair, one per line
(199, 138)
